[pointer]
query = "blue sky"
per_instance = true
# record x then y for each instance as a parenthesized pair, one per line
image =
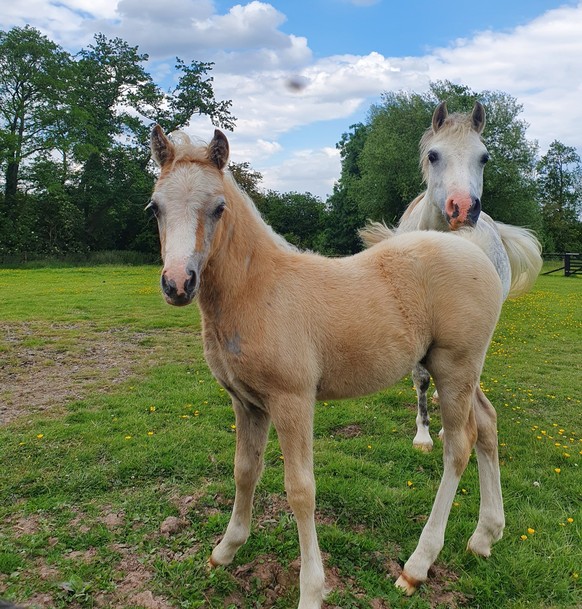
(399, 28)
(346, 52)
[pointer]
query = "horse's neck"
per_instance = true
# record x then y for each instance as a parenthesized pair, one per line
(244, 250)
(424, 215)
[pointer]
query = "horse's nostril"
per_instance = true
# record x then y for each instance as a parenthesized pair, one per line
(190, 283)
(168, 286)
(475, 210)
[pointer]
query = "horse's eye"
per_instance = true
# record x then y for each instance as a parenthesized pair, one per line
(433, 156)
(154, 208)
(485, 158)
(217, 213)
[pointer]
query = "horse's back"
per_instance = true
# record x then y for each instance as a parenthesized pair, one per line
(449, 274)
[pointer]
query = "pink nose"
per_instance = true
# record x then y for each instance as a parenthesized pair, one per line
(462, 210)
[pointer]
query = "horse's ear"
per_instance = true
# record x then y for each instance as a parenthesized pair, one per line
(218, 150)
(478, 117)
(439, 116)
(162, 148)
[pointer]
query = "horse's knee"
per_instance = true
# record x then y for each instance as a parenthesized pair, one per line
(301, 495)
(486, 419)
(458, 444)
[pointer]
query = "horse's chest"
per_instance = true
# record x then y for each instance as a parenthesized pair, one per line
(225, 356)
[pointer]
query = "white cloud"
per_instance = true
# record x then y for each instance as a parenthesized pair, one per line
(317, 170)
(538, 63)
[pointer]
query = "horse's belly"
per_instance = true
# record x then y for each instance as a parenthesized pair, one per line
(355, 373)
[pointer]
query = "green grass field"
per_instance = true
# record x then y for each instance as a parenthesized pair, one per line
(112, 424)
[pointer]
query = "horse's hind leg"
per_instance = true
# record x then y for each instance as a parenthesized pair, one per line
(252, 427)
(421, 379)
(456, 389)
(491, 518)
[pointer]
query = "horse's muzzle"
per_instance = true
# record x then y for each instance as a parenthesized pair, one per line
(460, 214)
(179, 296)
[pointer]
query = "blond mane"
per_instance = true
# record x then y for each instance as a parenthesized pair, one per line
(185, 150)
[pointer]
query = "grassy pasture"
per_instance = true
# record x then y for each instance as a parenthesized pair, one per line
(116, 463)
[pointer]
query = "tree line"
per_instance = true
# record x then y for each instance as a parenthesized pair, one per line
(75, 162)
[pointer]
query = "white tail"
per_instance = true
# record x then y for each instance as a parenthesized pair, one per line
(374, 232)
(525, 257)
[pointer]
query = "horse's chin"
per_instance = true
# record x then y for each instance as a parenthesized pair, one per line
(180, 301)
(456, 225)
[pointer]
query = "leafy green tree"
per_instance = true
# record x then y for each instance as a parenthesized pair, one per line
(194, 94)
(296, 216)
(560, 197)
(344, 216)
(388, 164)
(248, 179)
(74, 140)
(509, 188)
(57, 222)
(33, 82)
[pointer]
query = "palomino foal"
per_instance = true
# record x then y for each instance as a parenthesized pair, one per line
(283, 328)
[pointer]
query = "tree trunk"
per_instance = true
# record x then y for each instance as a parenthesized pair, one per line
(11, 186)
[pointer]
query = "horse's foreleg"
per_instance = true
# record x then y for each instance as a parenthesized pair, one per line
(460, 432)
(421, 379)
(491, 517)
(252, 427)
(293, 420)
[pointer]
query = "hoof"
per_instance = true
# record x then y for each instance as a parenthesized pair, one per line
(424, 447)
(480, 543)
(479, 546)
(476, 551)
(435, 398)
(214, 562)
(407, 584)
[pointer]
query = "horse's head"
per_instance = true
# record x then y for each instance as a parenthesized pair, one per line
(453, 156)
(188, 202)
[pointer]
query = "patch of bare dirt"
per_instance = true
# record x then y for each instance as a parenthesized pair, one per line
(44, 367)
(172, 525)
(40, 601)
(132, 583)
(267, 575)
(348, 431)
(26, 525)
(438, 589)
(112, 520)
